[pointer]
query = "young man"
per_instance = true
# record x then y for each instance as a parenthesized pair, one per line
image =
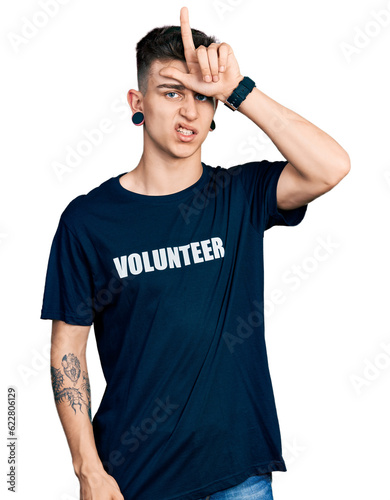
(167, 262)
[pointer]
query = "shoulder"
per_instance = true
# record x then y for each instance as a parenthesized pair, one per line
(248, 169)
(249, 173)
(87, 204)
(223, 175)
(258, 172)
(257, 167)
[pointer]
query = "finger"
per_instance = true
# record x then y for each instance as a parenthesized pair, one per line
(203, 61)
(223, 56)
(213, 60)
(175, 74)
(186, 34)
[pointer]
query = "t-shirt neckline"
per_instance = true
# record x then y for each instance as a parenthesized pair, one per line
(157, 199)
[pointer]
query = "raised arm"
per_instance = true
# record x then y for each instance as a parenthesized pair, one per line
(71, 389)
(316, 162)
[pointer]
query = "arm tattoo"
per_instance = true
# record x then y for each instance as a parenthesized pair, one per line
(57, 380)
(87, 388)
(71, 368)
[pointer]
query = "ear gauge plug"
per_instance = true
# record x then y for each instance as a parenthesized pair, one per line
(138, 118)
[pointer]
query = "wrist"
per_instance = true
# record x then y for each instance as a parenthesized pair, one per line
(240, 93)
(224, 97)
(87, 465)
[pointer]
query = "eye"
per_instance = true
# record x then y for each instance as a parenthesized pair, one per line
(167, 94)
(201, 95)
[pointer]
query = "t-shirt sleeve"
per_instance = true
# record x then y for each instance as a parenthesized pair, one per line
(260, 179)
(69, 281)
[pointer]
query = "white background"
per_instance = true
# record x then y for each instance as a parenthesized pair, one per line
(75, 71)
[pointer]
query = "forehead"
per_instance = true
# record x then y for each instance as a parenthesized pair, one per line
(156, 79)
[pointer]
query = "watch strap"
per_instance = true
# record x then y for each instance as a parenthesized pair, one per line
(240, 93)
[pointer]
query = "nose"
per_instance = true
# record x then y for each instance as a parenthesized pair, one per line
(189, 109)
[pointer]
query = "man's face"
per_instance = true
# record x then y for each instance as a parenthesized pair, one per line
(167, 104)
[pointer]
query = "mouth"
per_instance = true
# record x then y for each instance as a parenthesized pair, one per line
(185, 132)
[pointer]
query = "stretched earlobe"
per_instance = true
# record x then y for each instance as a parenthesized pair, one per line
(212, 126)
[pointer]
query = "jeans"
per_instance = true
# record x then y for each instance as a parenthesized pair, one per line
(254, 488)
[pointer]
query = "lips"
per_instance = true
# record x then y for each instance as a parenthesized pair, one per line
(185, 137)
(188, 127)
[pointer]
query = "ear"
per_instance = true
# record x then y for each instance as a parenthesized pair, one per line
(134, 98)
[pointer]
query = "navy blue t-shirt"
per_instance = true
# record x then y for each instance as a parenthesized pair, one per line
(173, 285)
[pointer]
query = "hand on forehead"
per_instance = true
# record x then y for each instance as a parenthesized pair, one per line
(211, 70)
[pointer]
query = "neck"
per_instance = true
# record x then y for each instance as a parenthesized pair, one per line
(163, 174)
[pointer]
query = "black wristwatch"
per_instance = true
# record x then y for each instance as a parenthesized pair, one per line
(239, 93)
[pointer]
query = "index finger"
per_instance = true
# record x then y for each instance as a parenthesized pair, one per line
(186, 32)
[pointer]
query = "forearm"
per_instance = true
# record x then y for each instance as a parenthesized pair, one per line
(313, 153)
(71, 389)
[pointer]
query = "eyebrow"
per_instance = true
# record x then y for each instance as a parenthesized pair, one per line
(175, 86)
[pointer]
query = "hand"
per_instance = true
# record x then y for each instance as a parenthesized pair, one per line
(213, 70)
(98, 485)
